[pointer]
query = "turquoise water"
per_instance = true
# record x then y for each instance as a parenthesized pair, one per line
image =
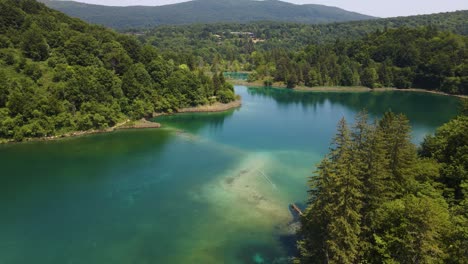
(207, 188)
(236, 75)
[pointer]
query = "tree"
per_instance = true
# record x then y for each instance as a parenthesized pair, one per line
(400, 152)
(411, 230)
(116, 58)
(394, 211)
(82, 50)
(449, 147)
(136, 82)
(34, 44)
(335, 205)
(3, 89)
(369, 77)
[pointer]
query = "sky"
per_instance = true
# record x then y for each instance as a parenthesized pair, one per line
(379, 8)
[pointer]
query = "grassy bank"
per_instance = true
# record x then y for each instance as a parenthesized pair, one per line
(280, 85)
(216, 107)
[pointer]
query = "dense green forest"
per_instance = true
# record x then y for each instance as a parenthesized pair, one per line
(376, 198)
(215, 43)
(429, 51)
(402, 58)
(203, 11)
(59, 74)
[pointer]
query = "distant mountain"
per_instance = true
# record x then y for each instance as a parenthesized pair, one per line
(203, 11)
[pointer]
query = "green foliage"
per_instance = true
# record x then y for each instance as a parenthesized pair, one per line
(82, 50)
(226, 96)
(34, 44)
(380, 59)
(268, 82)
(373, 200)
(397, 52)
(369, 77)
(203, 11)
(59, 75)
(413, 230)
(449, 146)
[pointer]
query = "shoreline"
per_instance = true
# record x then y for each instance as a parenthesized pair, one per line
(278, 85)
(127, 124)
(213, 108)
(143, 123)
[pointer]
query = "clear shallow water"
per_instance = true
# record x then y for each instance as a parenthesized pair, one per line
(208, 188)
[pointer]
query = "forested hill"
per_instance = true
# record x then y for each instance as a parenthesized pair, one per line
(59, 74)
(419, 51)
(203, 11)
(296, 35)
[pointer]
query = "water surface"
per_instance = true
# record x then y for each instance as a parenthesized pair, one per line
(207, 188)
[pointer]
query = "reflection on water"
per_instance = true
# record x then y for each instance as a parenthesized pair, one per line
(421, 108)
(196, 121)
(206, 188)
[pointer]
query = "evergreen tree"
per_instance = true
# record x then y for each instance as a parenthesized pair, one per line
(374, 201)
(337, 202)
(400, 152)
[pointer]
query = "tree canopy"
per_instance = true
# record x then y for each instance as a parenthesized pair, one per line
(374, 199)
(59, 74)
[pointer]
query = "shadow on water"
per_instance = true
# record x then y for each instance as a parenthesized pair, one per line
(288, 243)
(88, 154)
(440, 108)
(258, 253)
(282, 251)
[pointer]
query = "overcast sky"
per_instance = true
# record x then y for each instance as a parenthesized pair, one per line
(380, 8)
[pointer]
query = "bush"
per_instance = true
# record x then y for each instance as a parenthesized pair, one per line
(33, 71)
(226, 96)
(268, 82)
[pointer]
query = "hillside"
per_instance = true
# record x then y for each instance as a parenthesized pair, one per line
(59, 74)
(215, 43)
(203, 11)
(295, 35)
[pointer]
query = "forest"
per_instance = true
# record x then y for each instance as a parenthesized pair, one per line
(202, 11)
(59, 74)
(428, 51)
(402, 58)
(216, 38)
(377, 198)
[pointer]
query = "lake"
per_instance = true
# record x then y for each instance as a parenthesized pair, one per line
(205, 188)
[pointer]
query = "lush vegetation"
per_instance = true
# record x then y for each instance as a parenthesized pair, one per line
(375, 199)
(365, 53)
(403, 58)
(211, 40)
(203, 11)
(60, 74)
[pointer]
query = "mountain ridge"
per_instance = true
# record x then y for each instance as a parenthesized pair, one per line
(204, 11)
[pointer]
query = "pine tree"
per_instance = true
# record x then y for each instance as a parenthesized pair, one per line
(336, 203)
(374, 201)
(400, 152)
